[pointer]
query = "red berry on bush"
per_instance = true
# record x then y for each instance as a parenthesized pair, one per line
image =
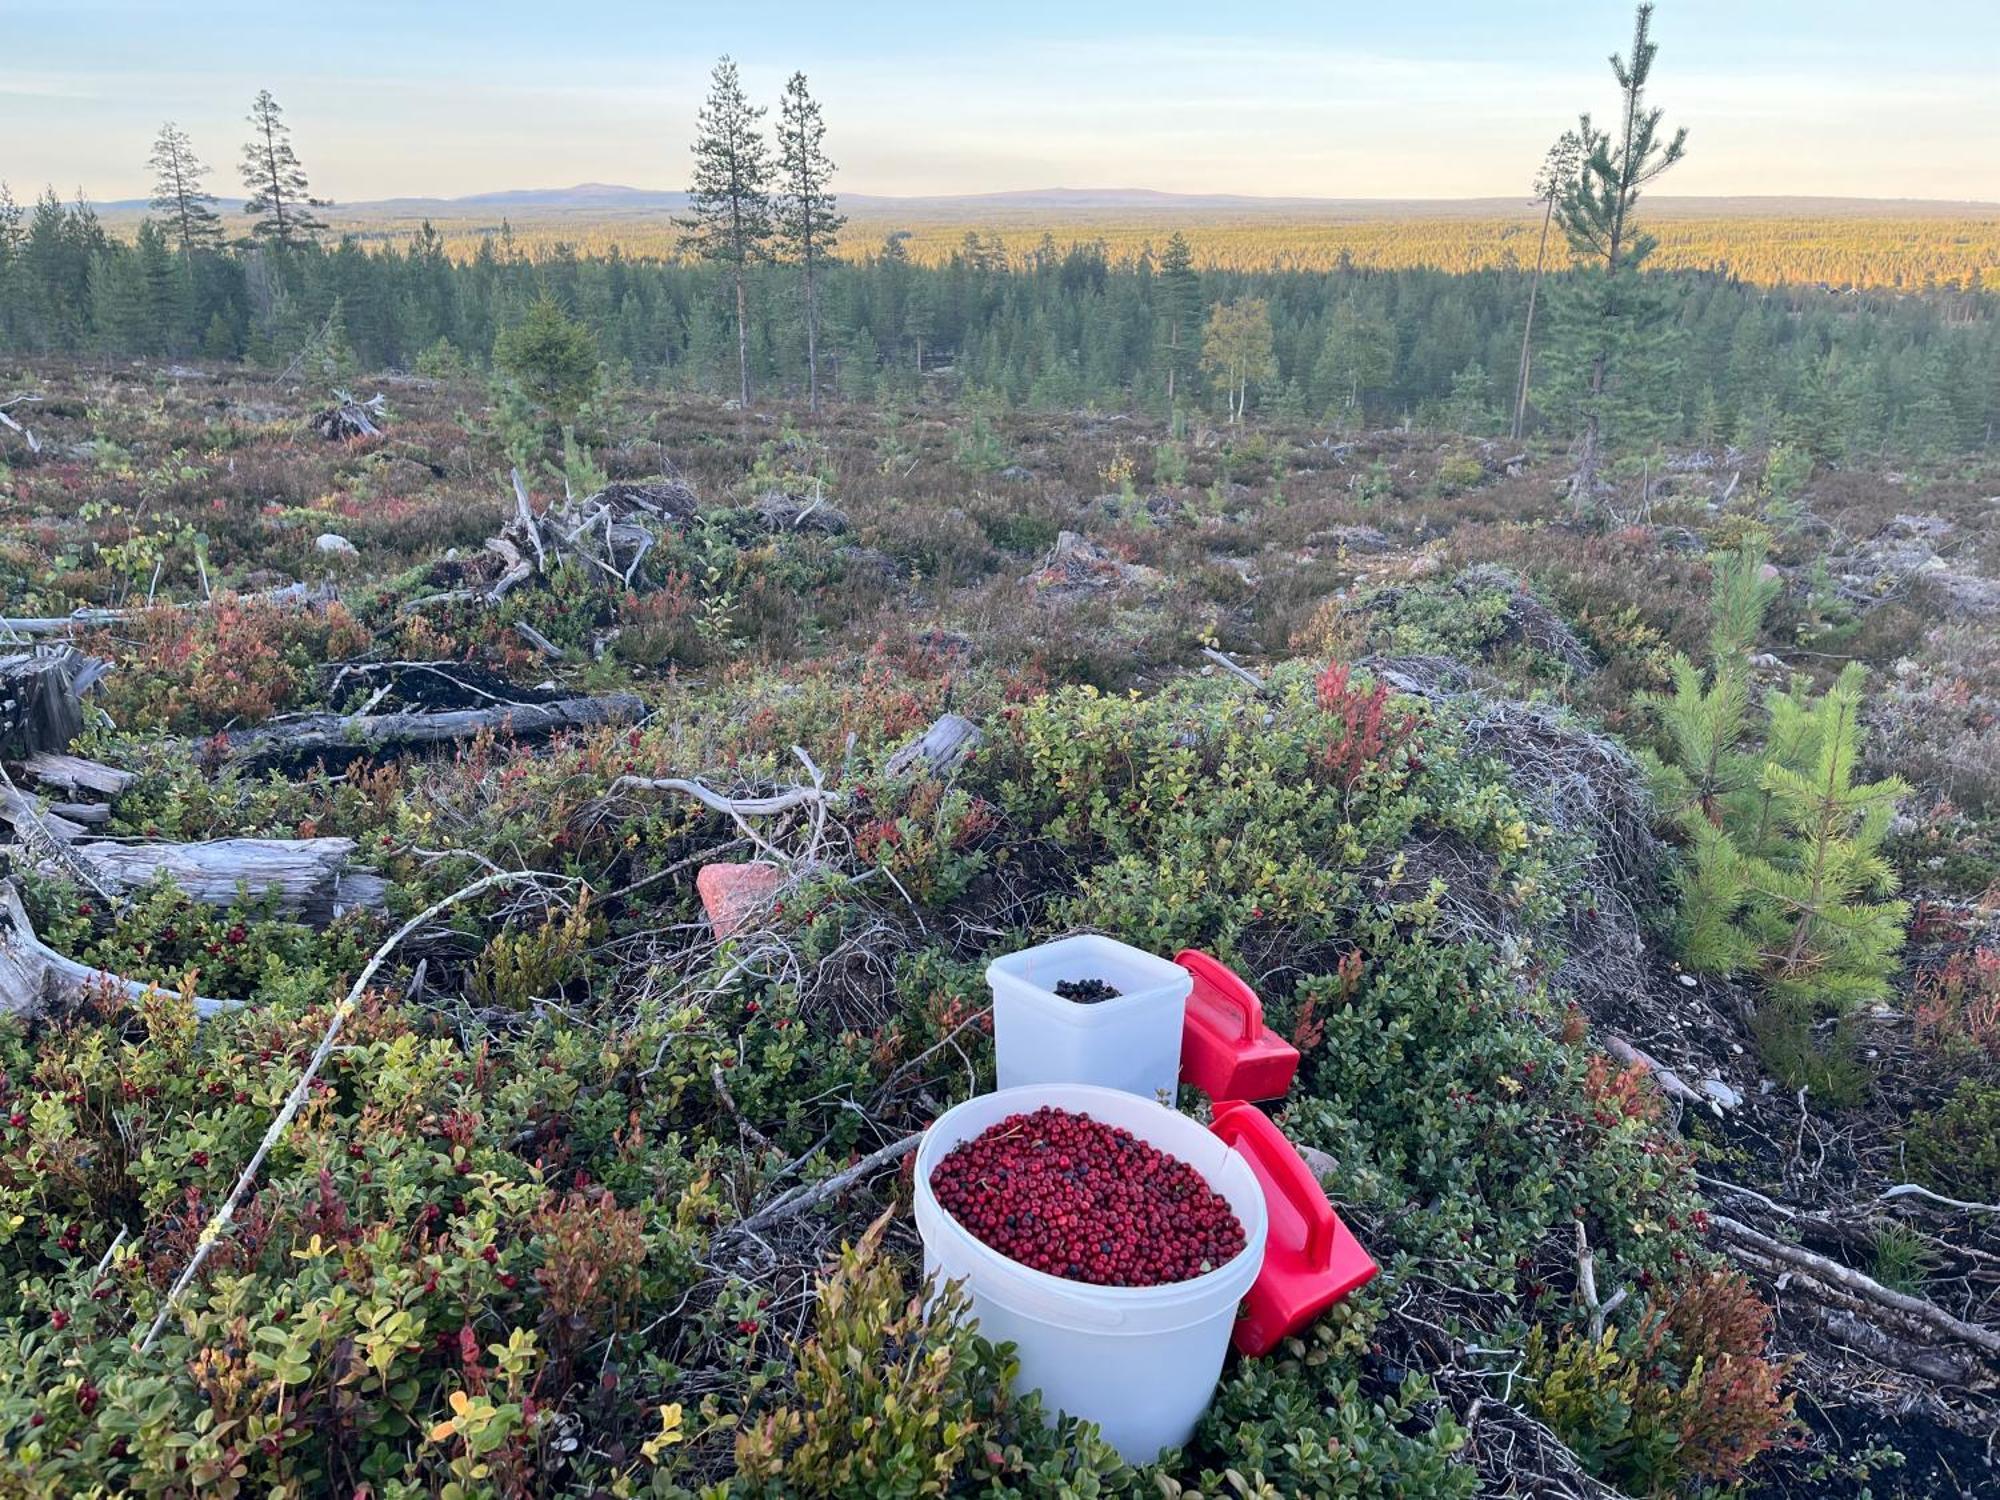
(59, 1320)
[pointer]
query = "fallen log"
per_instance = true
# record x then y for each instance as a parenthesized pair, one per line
(306, 596)
(308, 878)
(340, 739)
(72, 773)
(33, 976)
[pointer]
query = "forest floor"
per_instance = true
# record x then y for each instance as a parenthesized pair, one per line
(570, 1108)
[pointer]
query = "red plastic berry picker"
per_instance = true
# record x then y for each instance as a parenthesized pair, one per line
(1310, 1259)
(1225, 1050)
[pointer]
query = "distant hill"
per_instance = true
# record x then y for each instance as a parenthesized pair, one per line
(1842, 242)
(614, 199)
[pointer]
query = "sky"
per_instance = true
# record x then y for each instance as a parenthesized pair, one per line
(1387, 99)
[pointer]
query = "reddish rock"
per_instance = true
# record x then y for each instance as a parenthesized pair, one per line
(731, 892)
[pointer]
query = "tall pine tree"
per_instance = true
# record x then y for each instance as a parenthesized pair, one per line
(281, 200)
(1613, 319)
(178, 191)
(729, 201)
(808, 220)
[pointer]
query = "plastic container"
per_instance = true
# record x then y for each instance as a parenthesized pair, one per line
(1141, 1362)
(1225, 1050)
(1130, 1042)
(1310, 1259)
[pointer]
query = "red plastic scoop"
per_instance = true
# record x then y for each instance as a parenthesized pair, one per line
(1310, 1259)
(1225, 1050)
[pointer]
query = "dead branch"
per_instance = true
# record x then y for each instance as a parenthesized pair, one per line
(212, 1232)
(729, 1102)
(1243, 674)
(1586, 1285)
(1846, 1278)
(799, 1199)
(14, 425)
(1669, 1081)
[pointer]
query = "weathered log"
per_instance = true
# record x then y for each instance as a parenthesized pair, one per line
(308, 878)
(88, 814)
(304, 595)
(942, 746)
(18, 809)
(337, 738)
(72, 773)
(1946, 1366)
(34, 976)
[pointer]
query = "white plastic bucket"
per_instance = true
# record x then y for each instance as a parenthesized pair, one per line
(1141, 1362)
(1130, 1042)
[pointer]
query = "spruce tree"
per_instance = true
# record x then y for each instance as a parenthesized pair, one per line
(1180, 310)
(729, 201)
(808, 220)
(1610, 324)
(281, 201)
(178, 191)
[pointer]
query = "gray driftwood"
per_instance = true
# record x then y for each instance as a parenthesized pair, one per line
(72, 773)
(308, 878)
(34, 976)
(942, 746)
(343, 738)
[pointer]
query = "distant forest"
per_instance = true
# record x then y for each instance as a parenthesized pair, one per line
(1844, 373)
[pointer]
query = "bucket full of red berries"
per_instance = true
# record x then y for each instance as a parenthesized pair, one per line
(1107, 1237)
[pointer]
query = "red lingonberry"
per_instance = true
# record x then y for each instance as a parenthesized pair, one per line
(1065, 1194)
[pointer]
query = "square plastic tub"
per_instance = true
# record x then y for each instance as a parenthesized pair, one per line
(1130, 1042)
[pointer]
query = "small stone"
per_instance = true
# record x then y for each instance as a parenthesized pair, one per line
(1687, 981)
(333, 544)
(731, 892)
(1721, 1093)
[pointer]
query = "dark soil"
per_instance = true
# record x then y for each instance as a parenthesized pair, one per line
(1086, 991)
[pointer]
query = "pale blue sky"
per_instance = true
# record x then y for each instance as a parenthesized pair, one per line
(1401, 99)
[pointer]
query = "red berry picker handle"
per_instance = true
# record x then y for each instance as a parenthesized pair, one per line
(1285, 1172)
(1220, 984)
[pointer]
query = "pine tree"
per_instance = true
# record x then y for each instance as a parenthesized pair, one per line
(1609, 325)
(808, 220)
(729, 219)
(1180, 310)
(1707, 716)
(1552, 183)
(178, 192)
(1818, 911)
(1783, 874)
(280, 201)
